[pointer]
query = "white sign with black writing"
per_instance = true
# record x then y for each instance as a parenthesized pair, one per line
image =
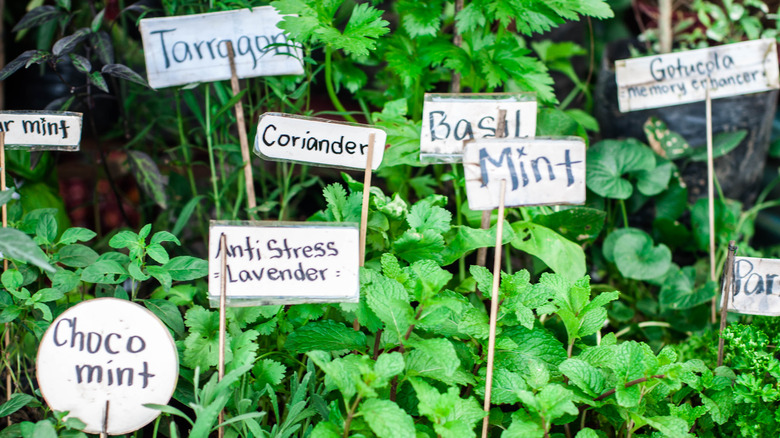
(451, 119)
(542, 171)
(756, 286)
(677, 78)
(107, 349)
(41, 130)
(317, 141)
(193, 48)
(285, 263)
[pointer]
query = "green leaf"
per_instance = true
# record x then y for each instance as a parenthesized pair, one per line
(76, 234)
(268, 372)
(65, 280)
(16, 245)
(389, 301)
(77, 255)
(44, 429)
(439, 351)
(164, 236)
(12, 279)
(420, 18)
(148, 176)
(664, 142)
(386, 419)
(560, 254)
(506, 387)
(358, 39)
(124, 239)
(726, 219)
(202, 344)
(244, 348)
(578, 224)
(637, 258)
(653, 182)
(722, 144)
(531, 345)
(168, 313)
(186, 268)
(425, 216)
(104, 271)
(413, 246)
(468, 239)
(185, 214)
(609, 160)
(671, 427)
(6, 195)
(679, 291)
(585, 376)
(326, 335)
(627, 362)
(16, 402)
(157, 253)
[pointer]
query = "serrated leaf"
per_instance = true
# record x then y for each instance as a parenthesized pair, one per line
(202, 344)
(386, 419)
(105, 272)
(413, 246)
(268, 372)
(326, 335)
(440, 351)
(186, 268)
(587, 377)
(16, 402)
(424, 216)
(389, 301)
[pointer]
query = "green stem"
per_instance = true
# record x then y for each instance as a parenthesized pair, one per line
(210, 146)
(458, 217)
(623, 210)
(329, 85)
(350, 415)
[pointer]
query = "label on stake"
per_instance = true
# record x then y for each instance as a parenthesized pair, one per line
(683, 77)
(41, 130)
(756, 287)
(192, 48)
(322, 142)
(449, 120)
(285, 263)
(541, 171)
(107, 349)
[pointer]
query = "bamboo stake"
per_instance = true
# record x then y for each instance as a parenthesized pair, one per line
(724, 305)
(104, 429)
(251, 200)
(222, 321)
(494, 309)
(366, 190)
(711, 195)
(485, 223)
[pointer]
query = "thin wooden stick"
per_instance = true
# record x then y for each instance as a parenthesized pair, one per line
(7, 337)
(494, 309)
(366, 190)
(724, 305)
(485, 223)
(104, 429)
(251, 201)
(711, 195)
(222, 321)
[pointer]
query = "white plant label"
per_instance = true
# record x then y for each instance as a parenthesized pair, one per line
(322, 142)
(285, 264)
(677, 78)
(450, 120)
(41, 130)
(756, 287)
(193, 48)
(112, 350)
(542, 171)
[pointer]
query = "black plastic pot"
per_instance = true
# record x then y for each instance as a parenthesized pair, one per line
(739, 173)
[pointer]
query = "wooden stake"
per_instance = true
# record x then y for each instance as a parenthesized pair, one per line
(485, 223)
(711, 195)
(104, 429)
(222, 321)
(494, 309)
(7, 337)
(728, 280)
(251, 201)
(366, 190)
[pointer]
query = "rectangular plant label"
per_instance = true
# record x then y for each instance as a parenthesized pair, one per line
(285, 263)
(449, 120)
(41, 130)
(677, 78)
(756, 286)
(192, 48)
(322, 142)
(541, 171)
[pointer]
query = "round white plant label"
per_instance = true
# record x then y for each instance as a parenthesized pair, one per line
(107, 350)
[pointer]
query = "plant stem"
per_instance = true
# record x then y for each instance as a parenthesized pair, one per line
(628, 385)
(350, 415)
(623, 210)
(210, 146)
(329, 85)
(458, 217)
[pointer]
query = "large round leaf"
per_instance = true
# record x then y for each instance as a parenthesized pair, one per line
(653, 182)
(609, 160)
(559, 253)
(680, 292)
(608, 248)
(637, 258)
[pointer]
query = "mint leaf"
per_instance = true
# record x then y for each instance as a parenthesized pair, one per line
(326, 335)
(386, 419)
(585, 376)
(390, 302)
(424, 216)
